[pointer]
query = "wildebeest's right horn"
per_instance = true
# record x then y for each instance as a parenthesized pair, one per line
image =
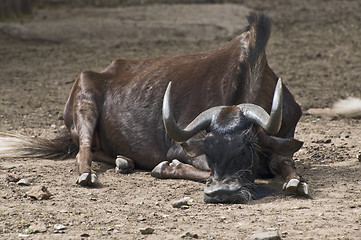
(270, 123)
(201, 122)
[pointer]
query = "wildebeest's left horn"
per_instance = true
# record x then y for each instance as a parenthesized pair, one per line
(201, 122)
(270, 123)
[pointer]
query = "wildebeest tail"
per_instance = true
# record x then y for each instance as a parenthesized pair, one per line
(349, 107)
(20, 146)
(260, 27)
(253, 52)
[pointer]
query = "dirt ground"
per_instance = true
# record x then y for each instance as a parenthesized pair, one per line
(315, 47)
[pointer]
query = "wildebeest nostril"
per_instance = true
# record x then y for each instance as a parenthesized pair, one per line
(219, 191)
(225, 195)
(224, 187)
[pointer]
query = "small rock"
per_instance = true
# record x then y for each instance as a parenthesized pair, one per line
(188, 234)
(271, 235)
(181, 202)
(59, 227)
(85, 235)
(37, 228)
(141, 219)
(39, 193)
(22, 235)
(147, 230)
(12, 184)
(12, 177)
(23, 182)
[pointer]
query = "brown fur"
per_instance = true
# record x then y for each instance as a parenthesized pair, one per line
(118, 111)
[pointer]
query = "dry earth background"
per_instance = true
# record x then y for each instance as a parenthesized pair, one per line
(315, 48)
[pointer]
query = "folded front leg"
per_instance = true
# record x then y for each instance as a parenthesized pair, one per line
(294, 184)
(176, 169)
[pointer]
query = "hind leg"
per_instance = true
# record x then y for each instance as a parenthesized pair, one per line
(81, 116)
(85, 122)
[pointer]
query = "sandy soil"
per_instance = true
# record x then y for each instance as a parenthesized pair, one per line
(315, 48)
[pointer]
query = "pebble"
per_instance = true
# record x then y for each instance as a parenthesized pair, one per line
(22, 235)
(37, 228)
(84, 235)
(181, 202)
(23, 182)
(12, 177)
(271, 235)
(141, 219)
(184, 207)
(59, 227)
(39, 193)
(147, 230)
(189, 235)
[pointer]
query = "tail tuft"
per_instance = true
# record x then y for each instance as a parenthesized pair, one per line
(350, 107)
(19, 146)
(260, 25)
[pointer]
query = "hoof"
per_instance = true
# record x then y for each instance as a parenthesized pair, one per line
(157, 171)
(122, 165)
(295, 186)
(174, 163)
(303, 189)
(291, 186)
(88, 179)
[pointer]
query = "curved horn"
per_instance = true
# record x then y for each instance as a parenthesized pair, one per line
(270, 123)
(201, 122)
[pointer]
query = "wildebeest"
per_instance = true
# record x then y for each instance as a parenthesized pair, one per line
(226, 119)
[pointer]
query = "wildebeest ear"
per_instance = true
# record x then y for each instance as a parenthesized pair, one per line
(193, 147)
(283, 146)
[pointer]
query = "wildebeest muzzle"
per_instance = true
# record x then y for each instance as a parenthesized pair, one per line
(228, 190)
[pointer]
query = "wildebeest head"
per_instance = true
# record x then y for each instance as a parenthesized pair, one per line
(235, 135)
